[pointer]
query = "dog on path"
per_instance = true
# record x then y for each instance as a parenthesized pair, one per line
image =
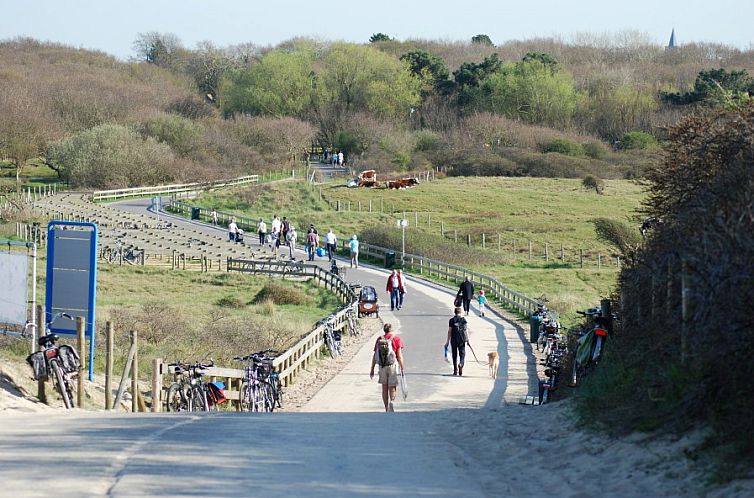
(493, 359)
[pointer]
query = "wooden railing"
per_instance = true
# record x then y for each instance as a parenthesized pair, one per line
(307, 349)
(447, 272)
(111, 195)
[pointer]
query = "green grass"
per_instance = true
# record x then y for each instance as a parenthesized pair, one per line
(543, 210)
(182, 315)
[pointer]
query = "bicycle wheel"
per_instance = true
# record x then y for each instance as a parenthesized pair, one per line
(197, 400)
(244, 397)
(269, 397)
(61, 383)
(330, 340)
(257, 397)
(176, 401)
(278, 390)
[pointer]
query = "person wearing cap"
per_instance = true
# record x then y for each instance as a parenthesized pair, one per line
(353, 244)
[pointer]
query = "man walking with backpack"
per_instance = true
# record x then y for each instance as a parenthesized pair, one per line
(388, 354)
(466, 292)
(458, 337)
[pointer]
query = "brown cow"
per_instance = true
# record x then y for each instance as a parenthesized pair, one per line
(402, 183)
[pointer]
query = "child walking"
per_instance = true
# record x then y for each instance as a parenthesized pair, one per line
(482, 300)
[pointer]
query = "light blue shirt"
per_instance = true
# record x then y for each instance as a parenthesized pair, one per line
(354, 244)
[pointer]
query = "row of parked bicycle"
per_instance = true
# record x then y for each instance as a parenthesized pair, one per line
(585, 345)
(261, 389)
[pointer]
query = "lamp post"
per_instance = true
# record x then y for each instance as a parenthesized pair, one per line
(403, 223)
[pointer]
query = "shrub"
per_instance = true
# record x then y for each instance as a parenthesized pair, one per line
(593, 183)
(595, 150)
(426, 140)
(280, 294)
(230, 302)
(563, 146)
(637, 140)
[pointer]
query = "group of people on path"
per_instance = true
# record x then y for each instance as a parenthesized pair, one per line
(281, 232)
(388, 349)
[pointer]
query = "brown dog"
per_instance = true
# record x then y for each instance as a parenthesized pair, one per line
(494, 361)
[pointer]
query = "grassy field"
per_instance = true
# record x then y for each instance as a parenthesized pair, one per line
(540, 210)
(182, 315)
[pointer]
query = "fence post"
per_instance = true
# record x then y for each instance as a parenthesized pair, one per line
(562, 253)
(337, 205)
(498, 242)
(514, 249)
(530, 250)
(416, 218)
(110, 342)
(547, 251)
(442, 229)
(429, 221)
(320, 194)
(41, 330)
(370, 205)
(135, 372)
(581, 258)
(455, 236)
(156, 385)
(599, 260)
(468, 239)
(484, 242)
(81, 340)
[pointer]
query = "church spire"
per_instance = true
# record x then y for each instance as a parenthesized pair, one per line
(671, 43)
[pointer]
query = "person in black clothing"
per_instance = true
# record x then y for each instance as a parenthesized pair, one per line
(466, 292)
(457, 338)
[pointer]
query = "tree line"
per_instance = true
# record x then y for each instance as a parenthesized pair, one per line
(538, 107)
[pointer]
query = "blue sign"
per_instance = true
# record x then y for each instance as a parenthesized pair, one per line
(71, 279)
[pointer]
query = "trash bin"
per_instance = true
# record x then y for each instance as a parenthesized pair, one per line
(389, 259)
(195, 213)
(534, 322)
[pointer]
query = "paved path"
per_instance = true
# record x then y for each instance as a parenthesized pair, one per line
(355, 451)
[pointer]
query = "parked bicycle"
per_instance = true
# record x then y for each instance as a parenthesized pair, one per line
(590, 343)
(261, 389)
(61, 363)
(189, 392)
(332, 337)
(123, 253)
(354, 329)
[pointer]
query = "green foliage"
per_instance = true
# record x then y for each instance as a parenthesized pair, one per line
(281, 294)
(714, 87)
(230, 302)
(543, 58)
(614, 111)
(181, 134)
(619, 234)
(591, 182)
(532, 92)
(379, 37)
(595, 150)
(110, 156)
(482, 40)
(564, 146)
(279, 85)
(637, 140)
(429, 69)
(427, 140)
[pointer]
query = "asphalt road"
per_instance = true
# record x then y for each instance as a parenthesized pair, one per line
(342, 445)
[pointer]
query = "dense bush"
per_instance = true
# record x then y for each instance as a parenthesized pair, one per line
(673, 369)
(563, 146)
(281, 294)
(637, 140)
(110, 156)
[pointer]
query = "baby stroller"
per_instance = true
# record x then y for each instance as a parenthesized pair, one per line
(239, 236)
(368, 302)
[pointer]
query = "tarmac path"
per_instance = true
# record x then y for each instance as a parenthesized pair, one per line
(341, 445)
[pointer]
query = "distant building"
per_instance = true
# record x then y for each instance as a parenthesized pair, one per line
(671, 43)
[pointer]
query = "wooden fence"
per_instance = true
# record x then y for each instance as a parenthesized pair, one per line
(516, 249)
(431, 268)
(180, 188)
(308, 348)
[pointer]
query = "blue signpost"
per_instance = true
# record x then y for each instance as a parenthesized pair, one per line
(71, 278)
